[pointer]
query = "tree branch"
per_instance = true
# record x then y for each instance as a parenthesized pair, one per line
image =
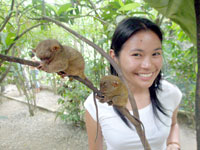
(2, 77)
(88, 15)
(19, 60)
(88, 84)
(136, 123)
(24, 12)
(197, 94)
(9, 16)
(93, 6)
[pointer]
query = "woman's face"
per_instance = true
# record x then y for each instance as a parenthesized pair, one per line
(140, 59)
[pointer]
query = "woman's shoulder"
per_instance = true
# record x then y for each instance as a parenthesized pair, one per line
(169, 94)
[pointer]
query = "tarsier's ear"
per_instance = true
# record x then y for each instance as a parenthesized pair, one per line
(115, 84)
(34, 50)
(55, 48)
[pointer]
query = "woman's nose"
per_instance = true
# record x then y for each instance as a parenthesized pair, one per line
(146, 63)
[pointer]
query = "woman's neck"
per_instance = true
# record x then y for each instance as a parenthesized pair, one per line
(142, 98)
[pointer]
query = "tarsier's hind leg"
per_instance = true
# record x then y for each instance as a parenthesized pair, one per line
(119, 101)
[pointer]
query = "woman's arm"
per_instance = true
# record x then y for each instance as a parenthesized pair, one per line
(91, 126)
(173, 141)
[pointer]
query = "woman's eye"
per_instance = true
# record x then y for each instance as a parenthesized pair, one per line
(136, 54)
(156, 54)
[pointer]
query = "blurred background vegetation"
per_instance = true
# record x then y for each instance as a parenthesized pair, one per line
(95, 20)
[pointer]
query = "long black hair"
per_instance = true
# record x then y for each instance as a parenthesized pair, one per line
(123, 32)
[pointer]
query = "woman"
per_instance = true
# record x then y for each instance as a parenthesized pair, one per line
(137, 49)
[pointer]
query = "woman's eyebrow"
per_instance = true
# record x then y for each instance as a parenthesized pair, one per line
(140, 50)
(136, 49)
(158, 49)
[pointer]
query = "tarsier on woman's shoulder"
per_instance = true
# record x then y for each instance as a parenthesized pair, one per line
(114, 91)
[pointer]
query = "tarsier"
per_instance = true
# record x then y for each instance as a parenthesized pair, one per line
(59, 58)
(114, 91)
(116, 94)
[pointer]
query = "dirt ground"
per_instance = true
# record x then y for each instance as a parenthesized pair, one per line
(19, 131)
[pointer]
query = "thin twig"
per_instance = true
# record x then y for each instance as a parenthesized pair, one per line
(94, 8)
(9, 16)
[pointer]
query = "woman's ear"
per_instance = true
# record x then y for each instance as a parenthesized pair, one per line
(112, 55)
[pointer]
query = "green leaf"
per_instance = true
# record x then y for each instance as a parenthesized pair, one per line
(196, 68)
(50, 9)
(180, 11)
(7, 38)
(64, 8)
(120, 3)
(120, 18)
(129, 7)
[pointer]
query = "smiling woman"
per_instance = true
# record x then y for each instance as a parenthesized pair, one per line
(140, 59)
(137, 49)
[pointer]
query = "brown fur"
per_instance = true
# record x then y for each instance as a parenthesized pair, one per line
(60, 58)
(114, 91)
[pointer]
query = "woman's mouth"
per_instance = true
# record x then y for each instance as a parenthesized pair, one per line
(145, 74)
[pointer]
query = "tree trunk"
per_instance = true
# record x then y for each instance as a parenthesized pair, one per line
(197, 102)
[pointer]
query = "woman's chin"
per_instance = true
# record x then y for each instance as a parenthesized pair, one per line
(144, 83)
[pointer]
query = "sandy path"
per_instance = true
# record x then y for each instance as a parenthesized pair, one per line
(19, 131)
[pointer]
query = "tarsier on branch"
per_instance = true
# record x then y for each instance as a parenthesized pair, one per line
(59, 58)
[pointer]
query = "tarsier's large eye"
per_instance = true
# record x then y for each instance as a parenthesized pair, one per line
(115, 83)
(104, 83)
(55, 48)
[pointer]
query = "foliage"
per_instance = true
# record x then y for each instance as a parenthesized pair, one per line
(181, 64)
(73, 96)
(178, 12)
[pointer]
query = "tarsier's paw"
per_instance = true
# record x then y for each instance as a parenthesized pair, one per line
(62, 74)
(110, 103)
(102, 99)
(42, 67)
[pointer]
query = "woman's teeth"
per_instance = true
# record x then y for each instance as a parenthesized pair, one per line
(145, 75)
